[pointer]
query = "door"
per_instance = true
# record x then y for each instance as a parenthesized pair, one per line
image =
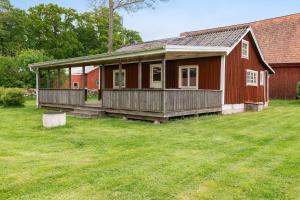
(155, 76)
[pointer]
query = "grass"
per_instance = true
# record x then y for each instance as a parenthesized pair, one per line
(242, 156)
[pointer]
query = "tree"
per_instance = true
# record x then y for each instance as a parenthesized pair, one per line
(14, 71)
(13, 31)
(127, 5)
(52, 28)
(5, 5)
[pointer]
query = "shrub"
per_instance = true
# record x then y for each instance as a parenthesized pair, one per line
(2, 90)
(13, 97)
(298, 90)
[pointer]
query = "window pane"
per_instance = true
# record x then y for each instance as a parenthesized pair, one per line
(193, 76)
(117, 79)
(123, 79)
(184, 77)
(156, 74)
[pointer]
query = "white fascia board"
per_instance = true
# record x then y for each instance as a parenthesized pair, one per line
(99, 58)
(204, 49)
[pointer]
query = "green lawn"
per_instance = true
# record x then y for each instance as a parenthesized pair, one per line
(242, 156)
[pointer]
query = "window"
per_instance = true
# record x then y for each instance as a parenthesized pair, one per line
(155, 76)
(75, 85)
(245, 49)
(116, 78)
(188, 77)
(252, 77)
(262, 78)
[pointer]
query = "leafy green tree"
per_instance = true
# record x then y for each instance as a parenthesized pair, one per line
(13, 31)
(14, 71)
(115, 5)
(52, 29)
(23, 59)
(5, 5)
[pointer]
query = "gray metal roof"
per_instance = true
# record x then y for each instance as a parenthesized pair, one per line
(225, 38)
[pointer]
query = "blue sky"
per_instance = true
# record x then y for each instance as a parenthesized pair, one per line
(171, 18)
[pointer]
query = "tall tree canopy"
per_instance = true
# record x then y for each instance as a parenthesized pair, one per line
(60, 32)
(49, 31)
(114, 5)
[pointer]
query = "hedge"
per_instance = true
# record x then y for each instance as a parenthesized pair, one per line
(13, 97)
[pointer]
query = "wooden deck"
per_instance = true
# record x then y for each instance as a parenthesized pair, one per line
(145, 104)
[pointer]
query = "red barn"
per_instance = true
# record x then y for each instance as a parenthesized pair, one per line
(279, 39)
(92, 79)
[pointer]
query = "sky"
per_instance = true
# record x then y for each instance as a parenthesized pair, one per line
(171, 18)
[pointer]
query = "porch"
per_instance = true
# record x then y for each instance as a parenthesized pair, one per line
(147, 104)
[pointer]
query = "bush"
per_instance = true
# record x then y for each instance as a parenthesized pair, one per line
(298, 90)
(13, 97)
(2, 90)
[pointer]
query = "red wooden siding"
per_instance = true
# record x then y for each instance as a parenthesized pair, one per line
(131, 75)
(283, 83)
(209, 73)
(91, 79)
(236, 90)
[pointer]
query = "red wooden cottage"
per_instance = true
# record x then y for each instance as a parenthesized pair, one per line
(214, 71)
(279, 39)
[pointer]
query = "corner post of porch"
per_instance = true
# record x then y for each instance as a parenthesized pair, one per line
(163, 80)
(102, 83)
(48, 78)
(222, 78)
(140, 75)
(120, 76)
(102, 77)
(58, 77)
(83, 80)
(70, 77)
(37, 82)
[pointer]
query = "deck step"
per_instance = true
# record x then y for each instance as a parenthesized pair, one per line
(84, 112)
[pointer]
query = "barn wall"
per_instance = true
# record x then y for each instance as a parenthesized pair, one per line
(235, 84)
(91, 79)
(283, 83)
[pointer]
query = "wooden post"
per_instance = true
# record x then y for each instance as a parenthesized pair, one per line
(70, 78)
(84, 83)
(120, 76)
(163, 74)
(58, 78)
(222, 78)
(140, 75)
(83, 78)
(102, 77)
(48, 78)
(163, 80)
(37, 80)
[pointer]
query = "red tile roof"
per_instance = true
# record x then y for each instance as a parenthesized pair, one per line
(279, 38)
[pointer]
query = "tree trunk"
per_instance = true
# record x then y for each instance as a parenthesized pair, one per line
(110, 26)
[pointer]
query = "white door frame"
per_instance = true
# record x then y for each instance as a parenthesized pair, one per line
(155, 84)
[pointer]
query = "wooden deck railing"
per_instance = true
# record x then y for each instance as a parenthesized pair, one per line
(163, 101)
(71, 97)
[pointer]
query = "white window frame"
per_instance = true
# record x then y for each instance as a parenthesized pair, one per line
(262, 78)
(247, 50)
(255, 81)
(180, 76)
(153, 83)
(77, 84)
(114, 78)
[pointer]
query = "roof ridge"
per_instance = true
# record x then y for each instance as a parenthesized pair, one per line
(222, 28)
(214, 30)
